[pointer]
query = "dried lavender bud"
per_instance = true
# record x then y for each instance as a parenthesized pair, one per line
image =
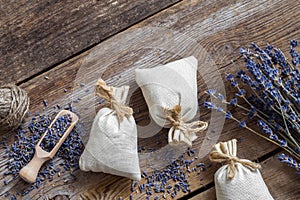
(55, 132)
(22, 151)
(45, 102)
(170, 180)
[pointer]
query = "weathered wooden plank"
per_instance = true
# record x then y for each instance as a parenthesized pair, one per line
(282, 181)
(223, 27)
(209, 194)
(117, 57)
(104, 186)
(36, 35)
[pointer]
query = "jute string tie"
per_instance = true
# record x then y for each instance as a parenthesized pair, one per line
(105, 92)
(221, 154)
(188, 130)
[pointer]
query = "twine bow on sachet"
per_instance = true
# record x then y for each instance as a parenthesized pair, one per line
(182, 131)
(107, 93)
(225, 152)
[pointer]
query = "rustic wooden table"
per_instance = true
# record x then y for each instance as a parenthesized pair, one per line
(67, 41)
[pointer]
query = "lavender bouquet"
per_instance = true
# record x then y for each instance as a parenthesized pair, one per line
(270, 87)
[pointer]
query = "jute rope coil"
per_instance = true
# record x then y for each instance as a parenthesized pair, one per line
(14, 104)
(105, 92)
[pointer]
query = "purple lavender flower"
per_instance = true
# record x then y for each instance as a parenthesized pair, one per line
(252, 112)
(220, 97)
(210, 105)
(261, 123)
(211, 91)
(220, 109)
(283, 143)
(230, 77)
(243, 50)
(242, 124)
(294, 43)
(233, 102)
(241, 93)
(289, 161)
(234, 84)
(272, 82)
(228, 115)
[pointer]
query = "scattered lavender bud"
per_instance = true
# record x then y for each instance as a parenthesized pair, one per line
(7, 194)
(170, 180)
(45, 103)
(22, 150)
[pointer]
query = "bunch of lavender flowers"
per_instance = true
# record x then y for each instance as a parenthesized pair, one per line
(273, 84)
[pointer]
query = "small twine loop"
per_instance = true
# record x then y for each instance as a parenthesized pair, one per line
(14, 104)
(188, 130)
(221, 154)
(105, 92)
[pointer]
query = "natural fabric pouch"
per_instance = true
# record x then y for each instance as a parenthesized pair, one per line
(238, 178)
(170, 92)
(112, 145)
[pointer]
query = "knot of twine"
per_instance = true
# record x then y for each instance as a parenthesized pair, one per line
(105, 92)
(174, 116)
(14, 104)
(222, 156)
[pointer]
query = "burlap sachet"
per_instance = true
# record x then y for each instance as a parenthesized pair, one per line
(238, 178)
(170, 92)
(112, 145)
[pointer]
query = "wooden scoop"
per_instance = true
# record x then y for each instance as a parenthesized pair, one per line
(30, 171)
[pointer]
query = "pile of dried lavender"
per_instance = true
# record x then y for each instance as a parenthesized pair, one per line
(22, 151)
(55, 132)
(170, 180)
(273, 84)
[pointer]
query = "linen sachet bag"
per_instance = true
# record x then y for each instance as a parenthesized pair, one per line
(112, 145)
(238, 178)
(170, 92)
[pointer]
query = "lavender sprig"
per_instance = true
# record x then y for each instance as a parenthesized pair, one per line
(272, 83)
(269, 135)
(289, 161)
(262, 110)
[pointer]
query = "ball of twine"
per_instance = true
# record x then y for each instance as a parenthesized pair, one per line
(14, 104)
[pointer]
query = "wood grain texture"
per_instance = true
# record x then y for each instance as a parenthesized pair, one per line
(91, 185)
(277, 177)
(216, 29)
(35, 35)
(222, 27)
(209, 194)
